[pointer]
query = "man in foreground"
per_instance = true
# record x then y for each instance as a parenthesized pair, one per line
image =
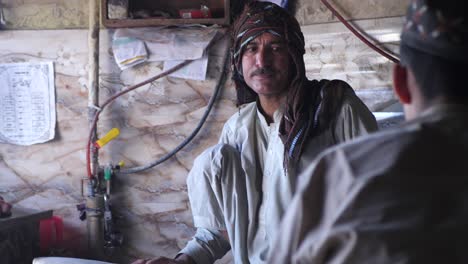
(399, 196)
(240, 188)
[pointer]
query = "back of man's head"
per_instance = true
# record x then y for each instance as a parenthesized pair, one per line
(434, 45)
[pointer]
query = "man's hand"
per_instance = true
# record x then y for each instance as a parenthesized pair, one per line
(5, 208)
(181, 259)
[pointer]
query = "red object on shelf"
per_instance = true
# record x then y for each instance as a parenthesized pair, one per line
(50, 233)
(195, 13)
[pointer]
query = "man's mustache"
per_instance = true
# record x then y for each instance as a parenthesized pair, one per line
(263, 70)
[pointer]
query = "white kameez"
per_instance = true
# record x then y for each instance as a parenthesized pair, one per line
(240, 184)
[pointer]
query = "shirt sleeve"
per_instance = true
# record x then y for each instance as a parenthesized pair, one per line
(206, 246)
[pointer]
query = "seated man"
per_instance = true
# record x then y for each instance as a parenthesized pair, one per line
(240, 188)
(399, 196)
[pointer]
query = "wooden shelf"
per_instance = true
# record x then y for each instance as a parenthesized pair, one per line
(220, 12)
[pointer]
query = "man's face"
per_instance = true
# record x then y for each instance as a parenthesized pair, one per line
(265, 65)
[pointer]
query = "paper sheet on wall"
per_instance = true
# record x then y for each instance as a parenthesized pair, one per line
(181, 43)
(174, 45)
(27, 103)
(196, 70)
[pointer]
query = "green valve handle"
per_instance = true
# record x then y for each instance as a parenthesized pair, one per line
(107, 174)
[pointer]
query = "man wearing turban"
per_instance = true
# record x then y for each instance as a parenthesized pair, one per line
(399, 196)
(240, 188)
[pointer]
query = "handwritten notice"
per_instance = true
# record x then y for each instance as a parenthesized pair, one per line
(27, 103)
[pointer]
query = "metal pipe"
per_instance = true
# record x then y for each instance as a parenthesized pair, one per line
(95, 225)
(93, 60)
(94, 203)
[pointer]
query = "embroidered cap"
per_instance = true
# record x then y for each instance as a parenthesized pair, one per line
(437, 27)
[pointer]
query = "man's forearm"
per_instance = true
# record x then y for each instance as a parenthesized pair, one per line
(206, 246)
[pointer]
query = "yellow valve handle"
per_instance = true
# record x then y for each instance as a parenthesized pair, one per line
(112, 134)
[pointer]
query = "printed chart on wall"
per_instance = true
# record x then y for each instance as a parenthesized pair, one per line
(27, 108)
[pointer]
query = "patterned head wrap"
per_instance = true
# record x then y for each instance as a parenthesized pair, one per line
(256, 19)
(437, 27)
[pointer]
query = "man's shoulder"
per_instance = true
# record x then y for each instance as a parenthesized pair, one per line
(333, 90)
(330, 83)
(367, 156)
(245, 115)
(335, 87)
(373, 148)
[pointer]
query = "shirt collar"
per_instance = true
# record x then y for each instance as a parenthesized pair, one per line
(277, 115)
(443, 109)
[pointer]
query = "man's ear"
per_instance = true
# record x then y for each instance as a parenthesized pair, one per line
(400, 83)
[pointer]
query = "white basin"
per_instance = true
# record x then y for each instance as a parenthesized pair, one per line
(59, 260)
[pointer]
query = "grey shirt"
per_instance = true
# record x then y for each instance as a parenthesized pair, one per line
(398, 196)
